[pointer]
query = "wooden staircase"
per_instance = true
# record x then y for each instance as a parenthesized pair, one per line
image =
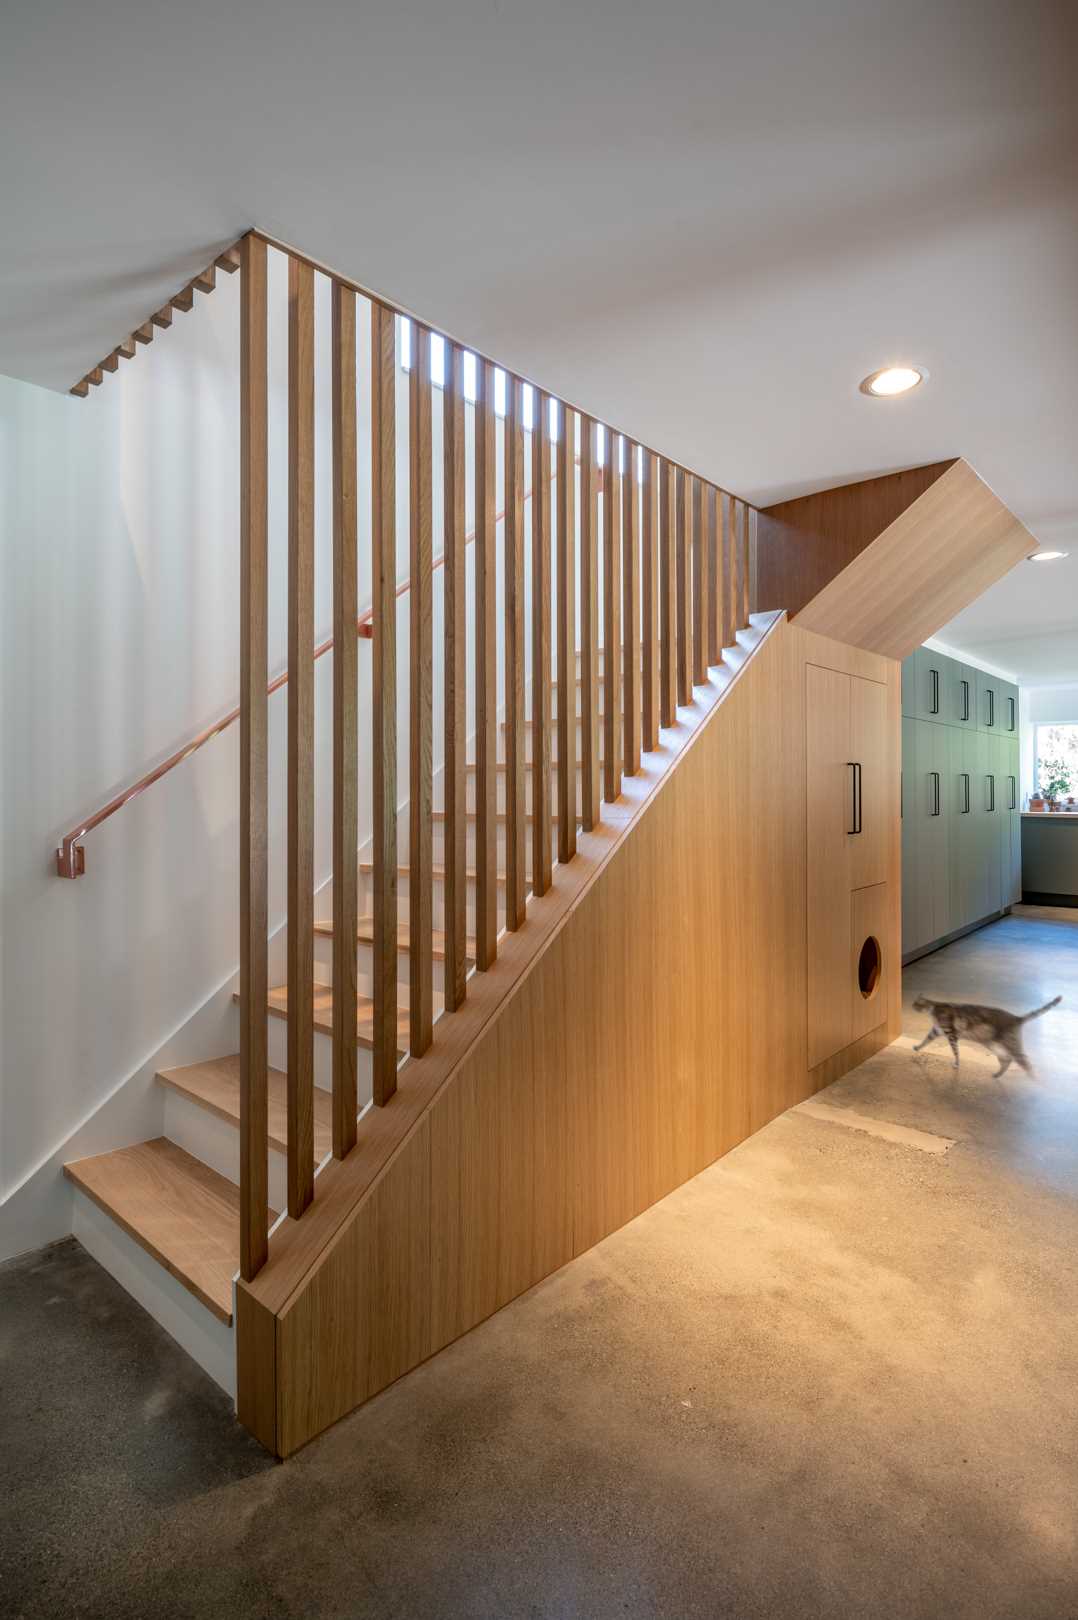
(184, 1213)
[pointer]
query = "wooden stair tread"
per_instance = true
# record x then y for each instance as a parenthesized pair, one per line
(365, 936)
(176, 1208)
(323, 1013)
(438, 872)
(215, 1085)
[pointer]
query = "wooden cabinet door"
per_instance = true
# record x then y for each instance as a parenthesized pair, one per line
(911, 921)
(829, 794)
(870, 752)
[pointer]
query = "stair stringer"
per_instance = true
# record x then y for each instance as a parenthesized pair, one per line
(648, 1017)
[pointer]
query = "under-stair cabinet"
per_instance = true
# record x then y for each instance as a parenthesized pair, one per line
(961, 816)
(851, 750)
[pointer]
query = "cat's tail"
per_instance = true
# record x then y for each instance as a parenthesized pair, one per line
(1036, 1013)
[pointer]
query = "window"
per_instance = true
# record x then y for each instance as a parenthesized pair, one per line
(1056, 749)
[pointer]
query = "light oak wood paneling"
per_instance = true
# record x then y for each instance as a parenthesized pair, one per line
(552, 1129)
(566, 486)
(541, 678)
(714, 570)
(802, 545)
(590, 784)
(345, 719)
(486, 671)
(515, 817)
(455, 633)
(938, 555)
(254, 780)
(612, 725)
(829, 821)
(649, 587)
(421, 712)
(384, 693)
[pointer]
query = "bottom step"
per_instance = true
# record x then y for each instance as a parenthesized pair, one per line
(176, 1208)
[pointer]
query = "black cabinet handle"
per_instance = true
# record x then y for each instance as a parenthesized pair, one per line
(935, 709)
(990, 794)
(991, 707)
(1010, 722)
(935, 775)
(965, 792)
(1014, 790)
(965, 700)
(855, 783)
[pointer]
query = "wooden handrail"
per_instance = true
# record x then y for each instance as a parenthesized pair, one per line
(70, 853)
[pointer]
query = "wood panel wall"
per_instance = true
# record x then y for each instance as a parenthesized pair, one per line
(660, 1023)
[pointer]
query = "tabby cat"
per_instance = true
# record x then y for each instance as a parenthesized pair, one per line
(991, 1027)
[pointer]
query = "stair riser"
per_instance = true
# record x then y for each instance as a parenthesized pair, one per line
(277, 1029)
(216, 1142)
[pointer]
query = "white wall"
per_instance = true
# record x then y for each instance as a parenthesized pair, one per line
(118, 640)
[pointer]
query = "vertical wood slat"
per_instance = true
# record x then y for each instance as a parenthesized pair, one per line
(515, 817)
(420, 698)
(541, 571)
(649, 542)
(735, 564)
(454, 888)
(701, 580)
(589, 628)
(345, 720)
(384, 692)
(714, 574)
(667, 584)
(612, 738)
(567, 636)
(254, 780)
(630, 574)
(746, 575)
(683, 611)
(300, 736)
(727, 583)
(486, 697)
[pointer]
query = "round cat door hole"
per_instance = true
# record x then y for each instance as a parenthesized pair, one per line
(869, 967)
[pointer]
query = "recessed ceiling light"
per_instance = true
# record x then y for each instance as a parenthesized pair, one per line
(893, 380)
(1046, 556)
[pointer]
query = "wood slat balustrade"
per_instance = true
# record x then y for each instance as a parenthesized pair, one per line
(300, 737)
(345, 720)
(657, 575)
(254, 770)
(420, 692)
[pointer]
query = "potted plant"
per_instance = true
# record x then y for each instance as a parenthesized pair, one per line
(1054, 780)
(1036, 803)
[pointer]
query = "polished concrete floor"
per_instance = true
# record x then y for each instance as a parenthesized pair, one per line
(836, 1375)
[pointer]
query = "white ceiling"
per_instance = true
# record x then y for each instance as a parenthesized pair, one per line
(704, 221)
